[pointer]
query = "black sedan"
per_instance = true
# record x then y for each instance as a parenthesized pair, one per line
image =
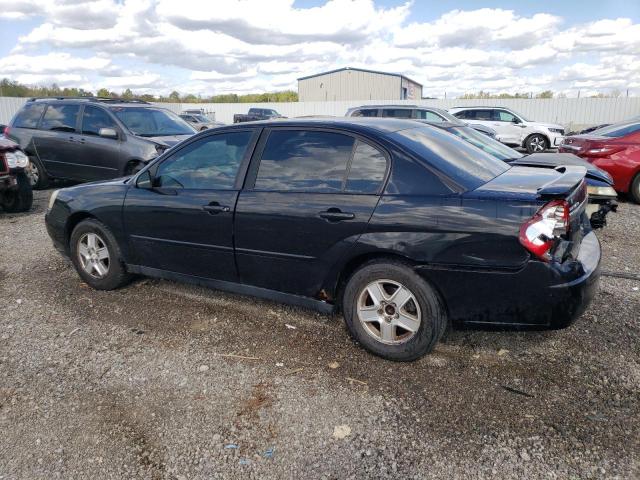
(403, 227)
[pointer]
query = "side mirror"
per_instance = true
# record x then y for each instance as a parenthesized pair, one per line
(108, 133)
(145, 180)
(515, 120)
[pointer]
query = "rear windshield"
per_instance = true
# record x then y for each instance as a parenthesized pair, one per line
(618, 129)
(483, 142)
(152, 122)
(463, 163)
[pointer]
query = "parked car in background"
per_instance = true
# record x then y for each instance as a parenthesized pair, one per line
(512, 128)
(86, 138)
(615, 149)
(429, 114)
(16, 194)
(403, 227)
(199, 121)
(602, 196)
(256, 114)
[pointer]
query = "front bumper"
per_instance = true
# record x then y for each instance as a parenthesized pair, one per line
(56, 230)
(537, 296)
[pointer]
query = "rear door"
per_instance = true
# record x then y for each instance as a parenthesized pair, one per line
(309, 195)
(100, 158)
(184, 224)
(57, 141)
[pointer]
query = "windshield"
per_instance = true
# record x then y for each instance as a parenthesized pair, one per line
(152, 122)
(618, 129)
(465, 164)
(483, 142)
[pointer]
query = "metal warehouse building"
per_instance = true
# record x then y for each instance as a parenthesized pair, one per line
(357, 84)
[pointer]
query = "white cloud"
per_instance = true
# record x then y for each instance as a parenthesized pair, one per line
(258, 45)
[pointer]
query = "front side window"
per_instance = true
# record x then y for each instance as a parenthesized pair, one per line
(60, 118)
(367, 169)
(503, 116)
(429, 116)
(152, 122)
(396, 112)
(304, 161)
(93, 119)
(211, 163)
(29, 116)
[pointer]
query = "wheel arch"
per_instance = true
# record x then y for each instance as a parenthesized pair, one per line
(73, 221)
(542, 134)
(338, 285)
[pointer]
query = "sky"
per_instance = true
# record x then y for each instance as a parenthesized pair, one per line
(248, 46)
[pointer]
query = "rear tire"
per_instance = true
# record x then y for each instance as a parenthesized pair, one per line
(96, 256)
(536, 143)
(404, 299)
(21, 199)
(37, 174)
(634, 191)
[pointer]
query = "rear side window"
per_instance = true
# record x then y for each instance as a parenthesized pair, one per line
(367, 169)
(304, 161)
(366, 112)
(93, 119)
(396, 112)
(60, 118)
(29, 116)
(211, 163)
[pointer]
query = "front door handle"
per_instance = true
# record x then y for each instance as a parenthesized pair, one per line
(214, 208)
(336, 215)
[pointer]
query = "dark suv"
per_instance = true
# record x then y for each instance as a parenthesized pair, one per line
(88, 138)
(404, 227)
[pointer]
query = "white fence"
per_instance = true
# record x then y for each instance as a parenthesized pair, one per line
(573, 113)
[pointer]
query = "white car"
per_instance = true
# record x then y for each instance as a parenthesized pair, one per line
(512, 128)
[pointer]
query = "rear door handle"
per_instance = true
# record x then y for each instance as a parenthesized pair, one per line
(214, 208)
(336, 215)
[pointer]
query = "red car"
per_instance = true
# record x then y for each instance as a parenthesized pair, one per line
(615, 149)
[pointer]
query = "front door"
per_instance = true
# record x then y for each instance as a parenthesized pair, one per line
(100, 157)
(508, 128)
(184, 223)
(309, 197)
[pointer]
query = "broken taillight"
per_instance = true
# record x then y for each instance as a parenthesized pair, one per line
(540, 233)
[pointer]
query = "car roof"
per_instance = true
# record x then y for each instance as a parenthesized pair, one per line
(480, 107)
(422, 107)
(371, 124)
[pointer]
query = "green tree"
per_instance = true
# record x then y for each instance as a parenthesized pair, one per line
(545, 94)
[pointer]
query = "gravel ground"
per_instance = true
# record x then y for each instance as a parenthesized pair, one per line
(162, 380)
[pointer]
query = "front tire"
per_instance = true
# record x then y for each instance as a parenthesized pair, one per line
(392, 312)
(634, 191)
(536, 143)
(96, 256)
(21, 199)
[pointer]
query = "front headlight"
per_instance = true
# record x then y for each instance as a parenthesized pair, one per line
(52, 199)
(557, 130)
(595, 191)
(17, 159)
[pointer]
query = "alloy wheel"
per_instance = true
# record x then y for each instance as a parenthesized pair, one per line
(537, 144)
(93, 255)
(389, 311)
(33, 174)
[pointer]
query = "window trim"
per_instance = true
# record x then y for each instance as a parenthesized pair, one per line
(242, 168)
(256, 159)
